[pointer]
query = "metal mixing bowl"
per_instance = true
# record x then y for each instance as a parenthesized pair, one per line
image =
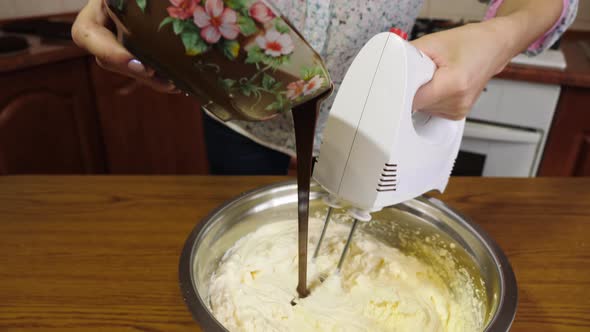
(415, 227)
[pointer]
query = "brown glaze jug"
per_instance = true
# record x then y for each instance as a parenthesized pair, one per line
(240, 58)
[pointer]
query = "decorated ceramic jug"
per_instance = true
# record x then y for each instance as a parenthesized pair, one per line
(241, 58)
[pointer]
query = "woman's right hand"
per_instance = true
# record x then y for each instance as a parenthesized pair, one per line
(89, 32)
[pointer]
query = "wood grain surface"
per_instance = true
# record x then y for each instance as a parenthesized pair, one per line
(101, 253)
(48, 123)
(567, 151)
(40, 54)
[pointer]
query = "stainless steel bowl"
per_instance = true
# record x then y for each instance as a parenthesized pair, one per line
(411, 226)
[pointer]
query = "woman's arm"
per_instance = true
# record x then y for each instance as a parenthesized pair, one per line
(468, 56)
(518, 9)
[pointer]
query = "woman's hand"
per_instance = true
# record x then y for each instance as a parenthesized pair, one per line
(469, 56)
(90, 32)
(466, 57)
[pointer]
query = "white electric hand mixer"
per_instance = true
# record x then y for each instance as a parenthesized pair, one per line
(376, 151)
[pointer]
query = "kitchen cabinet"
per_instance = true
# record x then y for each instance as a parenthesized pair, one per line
(47, 122)
(60, 113)
(146, 132)
(568, 148)
(507, 129)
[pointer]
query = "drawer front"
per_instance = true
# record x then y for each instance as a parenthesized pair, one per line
(487, 105)
(517, 103)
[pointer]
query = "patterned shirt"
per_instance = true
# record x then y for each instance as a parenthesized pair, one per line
(338, 29)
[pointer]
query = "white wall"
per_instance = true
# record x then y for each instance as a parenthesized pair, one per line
(451, 9)
(583, 19)
(26, 8)
(474, 10)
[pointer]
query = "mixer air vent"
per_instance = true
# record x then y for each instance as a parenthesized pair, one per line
(388, 179)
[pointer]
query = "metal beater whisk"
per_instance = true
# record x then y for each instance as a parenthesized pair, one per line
(358, 216)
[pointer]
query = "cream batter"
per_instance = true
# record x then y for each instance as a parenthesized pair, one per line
(378, 289)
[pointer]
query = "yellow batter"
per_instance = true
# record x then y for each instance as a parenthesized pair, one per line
(379, 288)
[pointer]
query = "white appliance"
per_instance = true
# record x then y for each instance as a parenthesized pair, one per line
(376, 152)
(506, 131)
(554, 59)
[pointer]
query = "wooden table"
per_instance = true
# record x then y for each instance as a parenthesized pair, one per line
(101, 253)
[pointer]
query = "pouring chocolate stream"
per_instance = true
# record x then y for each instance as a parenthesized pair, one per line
(304, 119)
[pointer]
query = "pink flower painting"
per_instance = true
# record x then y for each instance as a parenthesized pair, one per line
(295, 89)
(261, 13)
(182, 9)
(301, 87)
(268, 43)
(313, 85)
(216, 21)
(275, 43)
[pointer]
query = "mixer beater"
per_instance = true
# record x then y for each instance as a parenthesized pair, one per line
(332, 204)
(359, 215)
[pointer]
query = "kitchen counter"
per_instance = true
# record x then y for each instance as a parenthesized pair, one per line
(101, 253)
(41, 52)
(576, 74)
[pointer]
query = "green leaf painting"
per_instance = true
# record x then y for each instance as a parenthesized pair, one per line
(281, 103)
(268, 81)
(230, 48)
(256, 55)
(193, 44)
(247, 26)
(178, 26)
(166, 21)
(119, 4)
(227, 83)
(281, 27)
(309, 73)
(142, 4)
(238, 5)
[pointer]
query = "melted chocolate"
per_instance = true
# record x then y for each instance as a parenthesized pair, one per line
(304, 118)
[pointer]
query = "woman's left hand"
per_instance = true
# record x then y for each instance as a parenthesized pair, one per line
(466, 57)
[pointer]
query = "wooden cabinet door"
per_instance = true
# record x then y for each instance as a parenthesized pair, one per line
(568, 148)
(146, 132)
(48, 124)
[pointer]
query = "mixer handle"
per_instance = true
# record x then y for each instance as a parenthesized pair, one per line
(431, 127)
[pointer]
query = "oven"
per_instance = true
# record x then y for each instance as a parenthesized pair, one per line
(496, 150)
(506, 131)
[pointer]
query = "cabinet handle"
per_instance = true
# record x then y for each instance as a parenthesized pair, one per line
(128, 88)
(496, 133)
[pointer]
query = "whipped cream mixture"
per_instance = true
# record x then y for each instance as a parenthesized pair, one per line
(378, 289)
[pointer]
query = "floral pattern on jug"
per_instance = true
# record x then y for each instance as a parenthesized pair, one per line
(249, 32)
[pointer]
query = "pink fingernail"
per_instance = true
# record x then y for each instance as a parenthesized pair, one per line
(136, 66)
